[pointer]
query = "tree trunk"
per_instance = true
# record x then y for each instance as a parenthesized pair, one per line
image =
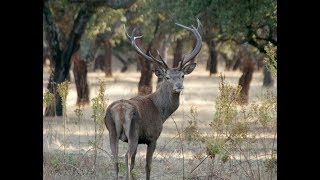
(177, 55)
(80, 78)
(62, 58)
(99, 62)
(227, 61)
(208, 63)
(267, 78)
(245, 79)
(212, 57)
(163, 52)
(145, 83)
(124, 62)
(108, 58)
(236, 64)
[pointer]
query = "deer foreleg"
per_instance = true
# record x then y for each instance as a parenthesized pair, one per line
(150, 150)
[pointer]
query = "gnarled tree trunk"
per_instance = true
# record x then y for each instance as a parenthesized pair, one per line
(236, 64)
(80, 78)
(121, 59)
(227, 60)
(177, 55)
(267, 78)
(62, 58)
(246, 77)
(212, 60)
(145, 83)
(108, 58)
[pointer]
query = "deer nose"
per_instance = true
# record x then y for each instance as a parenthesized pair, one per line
(179, 85)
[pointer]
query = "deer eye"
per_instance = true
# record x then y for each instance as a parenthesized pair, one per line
(182, 76)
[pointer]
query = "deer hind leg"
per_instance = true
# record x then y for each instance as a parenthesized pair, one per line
(133, 159)
(150, 150)
(133, 138)
(114, 143)
(130, 156)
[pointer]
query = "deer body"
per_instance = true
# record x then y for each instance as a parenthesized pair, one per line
(139, 120)
(145, 113)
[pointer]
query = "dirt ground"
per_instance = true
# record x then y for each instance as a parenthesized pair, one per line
(200, 92)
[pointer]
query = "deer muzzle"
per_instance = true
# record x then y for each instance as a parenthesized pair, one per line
(178, 87)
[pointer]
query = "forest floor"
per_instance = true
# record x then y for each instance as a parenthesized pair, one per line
(73, 157)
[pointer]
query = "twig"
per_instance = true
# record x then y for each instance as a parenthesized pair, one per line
(199, 164)
(240, 162)
(78, 170)
(274, 139)
(105, 151)
(84, 156)
(246, 160)
(170, 141)
(181, 146)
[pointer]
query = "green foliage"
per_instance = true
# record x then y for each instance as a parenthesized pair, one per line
(122, 167)
(191, 132)
(271, 59)
(226, 110)
(265, 112)
(64, 14)
(270, 164)
(232, 128)
(47, 98)
(214, 147)
(103, 21)
(228, 47)
(79, 112)
(62, 89)
(54, 162)
(123, 170)
(98, 106)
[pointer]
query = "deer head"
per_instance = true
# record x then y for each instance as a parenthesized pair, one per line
(173, 76)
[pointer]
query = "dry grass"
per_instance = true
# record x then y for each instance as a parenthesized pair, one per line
(168, 161)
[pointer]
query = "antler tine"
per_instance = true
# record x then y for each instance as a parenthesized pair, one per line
(132, 39)
(164, 63)
(180, 64)
(160, 63)
(186, 58)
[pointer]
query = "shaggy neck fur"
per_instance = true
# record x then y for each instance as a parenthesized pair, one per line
(165, 100)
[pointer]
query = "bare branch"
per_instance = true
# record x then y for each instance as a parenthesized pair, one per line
(114, 4)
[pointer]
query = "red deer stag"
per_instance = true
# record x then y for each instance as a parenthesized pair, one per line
(139, 120)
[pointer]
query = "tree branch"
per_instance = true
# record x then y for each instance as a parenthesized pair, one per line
(274, 42)
(114, 4)
(85, 13)
(252, 42)
(51, 32)
(269, 38)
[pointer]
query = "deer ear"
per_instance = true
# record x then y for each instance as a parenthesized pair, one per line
(159, 72)
(189, 68)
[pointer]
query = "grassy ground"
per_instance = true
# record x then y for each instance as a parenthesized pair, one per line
(73, 157)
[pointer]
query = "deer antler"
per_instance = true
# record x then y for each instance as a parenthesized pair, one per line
(133, 38)
(187, 57)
